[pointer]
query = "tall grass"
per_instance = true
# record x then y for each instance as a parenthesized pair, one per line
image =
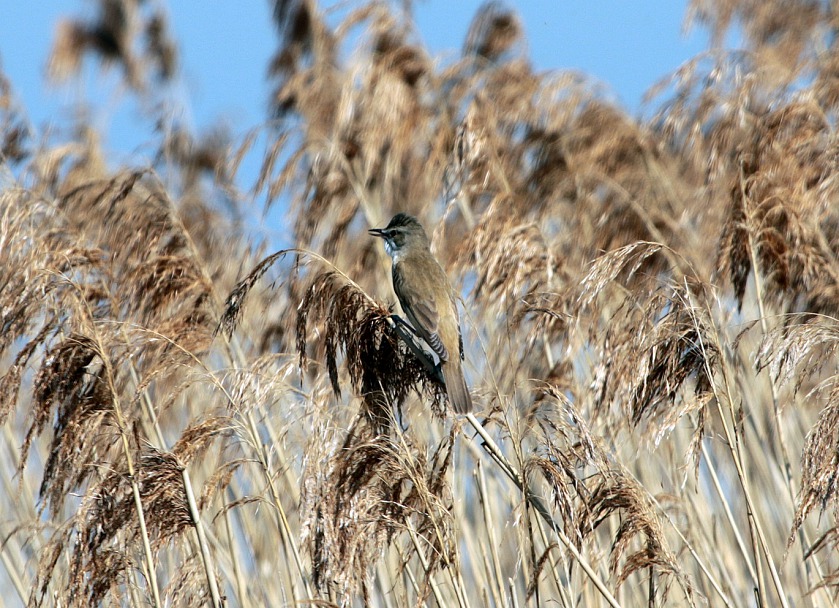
(649, 314)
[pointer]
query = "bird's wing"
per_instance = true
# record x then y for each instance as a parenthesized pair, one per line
(422, 313)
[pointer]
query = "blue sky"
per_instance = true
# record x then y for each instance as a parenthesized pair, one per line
(225, 48)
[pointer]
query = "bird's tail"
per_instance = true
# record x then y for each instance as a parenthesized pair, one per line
(456, 388)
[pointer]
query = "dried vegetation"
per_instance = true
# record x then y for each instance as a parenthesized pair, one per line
(649, 316)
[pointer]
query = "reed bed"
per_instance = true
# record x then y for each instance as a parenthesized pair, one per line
(649, 312)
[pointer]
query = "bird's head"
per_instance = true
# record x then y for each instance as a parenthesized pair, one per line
(402, 234)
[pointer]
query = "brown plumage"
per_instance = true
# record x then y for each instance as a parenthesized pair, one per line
(428, 301)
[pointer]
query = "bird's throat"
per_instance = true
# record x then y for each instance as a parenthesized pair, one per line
(394, 252)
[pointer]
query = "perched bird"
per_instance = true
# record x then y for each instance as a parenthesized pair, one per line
(428, 301)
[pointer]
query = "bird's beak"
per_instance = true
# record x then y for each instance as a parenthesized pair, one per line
(377, 232)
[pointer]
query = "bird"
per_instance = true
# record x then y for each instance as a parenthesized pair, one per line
(427, 299)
